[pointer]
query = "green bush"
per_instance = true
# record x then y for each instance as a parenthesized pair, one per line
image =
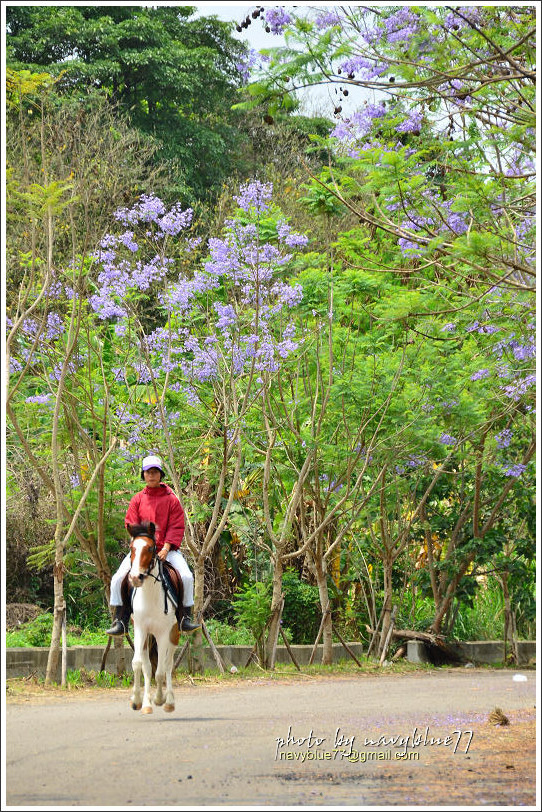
(36, 632)
(223, 634)
(252, 607)
(302, 611)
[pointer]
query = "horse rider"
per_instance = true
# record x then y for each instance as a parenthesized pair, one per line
(156, 503)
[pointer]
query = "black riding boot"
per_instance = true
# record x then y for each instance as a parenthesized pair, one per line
(122, 620)
(187, 624)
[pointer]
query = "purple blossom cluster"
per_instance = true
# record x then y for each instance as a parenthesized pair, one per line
(412, 124)
(254, 195)
(504, 438)
(447, 439)
(482, 373)
(277, 19)
(46, 398)
(150, 209)
(362, 67)
(414, 462)
(402, 25)
(119, 275)
(327, 19)
(515, 470)
(519, 387)
(352, 130)
(290, 238)
(471, 13)
(239, 329)
(252, 61)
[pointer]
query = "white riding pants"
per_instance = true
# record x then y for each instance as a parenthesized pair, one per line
(175, 558)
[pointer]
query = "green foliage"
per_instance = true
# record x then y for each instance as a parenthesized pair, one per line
(224, 634)
(174, 76)
(252, 607)
(37, 632)
(302, 612)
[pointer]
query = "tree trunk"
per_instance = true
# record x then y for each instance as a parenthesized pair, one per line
(327, 631)
(197, 637)
(388, 596)
(276, 599)
(53, 660)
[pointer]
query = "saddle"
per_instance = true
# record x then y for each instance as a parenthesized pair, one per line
(171, 584)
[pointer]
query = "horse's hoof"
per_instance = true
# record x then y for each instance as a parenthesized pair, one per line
(169, 708)
(136, 706)
(147, 709)
(159, 701)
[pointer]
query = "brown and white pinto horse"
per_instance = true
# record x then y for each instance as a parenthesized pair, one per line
(151, 619)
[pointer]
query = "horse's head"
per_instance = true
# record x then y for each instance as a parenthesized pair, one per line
(142, 551)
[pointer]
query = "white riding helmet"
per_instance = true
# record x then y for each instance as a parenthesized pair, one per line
(152, 462)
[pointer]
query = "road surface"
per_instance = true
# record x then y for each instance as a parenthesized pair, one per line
(360, 740)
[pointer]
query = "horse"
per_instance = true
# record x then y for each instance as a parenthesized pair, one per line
(154, 613)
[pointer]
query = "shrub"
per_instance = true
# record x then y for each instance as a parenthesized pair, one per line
(302, 611)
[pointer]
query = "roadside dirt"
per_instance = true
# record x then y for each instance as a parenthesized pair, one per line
(266, 742)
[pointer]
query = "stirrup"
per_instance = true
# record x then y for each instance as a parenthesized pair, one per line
(118, 629)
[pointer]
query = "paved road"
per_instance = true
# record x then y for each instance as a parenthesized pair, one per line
(271, 742)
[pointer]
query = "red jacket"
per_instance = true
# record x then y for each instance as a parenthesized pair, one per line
(161, 506)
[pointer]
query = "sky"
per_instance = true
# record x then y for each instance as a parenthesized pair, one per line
(315, 101)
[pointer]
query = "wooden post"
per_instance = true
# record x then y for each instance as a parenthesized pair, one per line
(320, 630)
(106, 652)
(181, 655)
(388, 636)
(216, 654)
(187, 642)
(290, 652)
(347, 647)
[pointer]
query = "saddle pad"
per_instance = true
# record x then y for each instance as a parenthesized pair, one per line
(174, 585)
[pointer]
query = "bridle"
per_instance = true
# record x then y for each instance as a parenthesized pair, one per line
(160, 577)
(152, 562)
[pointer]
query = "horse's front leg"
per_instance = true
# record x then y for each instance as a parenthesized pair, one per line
(137, 664)
(147, 675)
(166, 651)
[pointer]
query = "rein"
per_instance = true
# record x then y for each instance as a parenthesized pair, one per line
(160, 578)
(153, 558)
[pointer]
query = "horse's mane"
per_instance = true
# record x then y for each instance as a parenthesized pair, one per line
(143, 529)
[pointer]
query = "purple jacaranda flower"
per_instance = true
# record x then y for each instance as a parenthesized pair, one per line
(412, 124)
(504, 438)
(127, 239)
(55, 326)
(471, 13)
(518, 388)
(290, 238)
(448, 328)
(46, 398)
(515, 470)
(482, 373)
(447, 439)
(254, 195)
(277, 19)
(359, 124)
(522, 352)
(365, 68)
(401, 25)
(227, 315)
(326, 19)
